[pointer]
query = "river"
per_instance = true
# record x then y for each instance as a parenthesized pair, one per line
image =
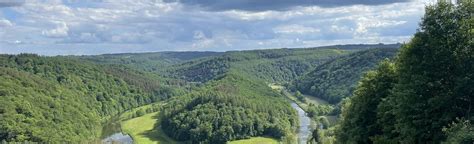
(305, 129)
(112, 133)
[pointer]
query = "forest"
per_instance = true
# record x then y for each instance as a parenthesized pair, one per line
(77, 95)
(40, 95)
(425, 94)
(336, 79)
(416, 92)
(233, 107)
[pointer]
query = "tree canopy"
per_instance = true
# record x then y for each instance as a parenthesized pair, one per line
(430, 99)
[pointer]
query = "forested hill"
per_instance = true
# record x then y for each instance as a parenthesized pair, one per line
(57, 99)
(68, 98)
(233, 107)
(338, 77)
(228, 106)
(273, 65)
(152, 62)
(363, 46)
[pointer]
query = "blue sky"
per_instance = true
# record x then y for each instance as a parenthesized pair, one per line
(78, 27)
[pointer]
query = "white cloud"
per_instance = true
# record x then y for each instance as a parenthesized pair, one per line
(298, 29)
(250, 16)
(117, 26)
(61, 30)
(5, 23)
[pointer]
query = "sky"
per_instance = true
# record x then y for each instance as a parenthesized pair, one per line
(87, 27)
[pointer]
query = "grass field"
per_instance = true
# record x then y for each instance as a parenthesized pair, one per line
(142, 129)
(131, 113)
(276, 86)
(314, 100)
(255, 140)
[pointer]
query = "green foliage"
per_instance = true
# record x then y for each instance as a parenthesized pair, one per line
(336, 79)
(276, 65)
(324, 122)
(359, 124)
(300, 97)
(322, 136)
(255, 140)
(150, 62)
(319, 110)
(436, 74)
(74, 96)
(203, 71)
(460, 131)
(56, 99)
(285, 65)
(315, 136)
(432, 90)
(230, 108)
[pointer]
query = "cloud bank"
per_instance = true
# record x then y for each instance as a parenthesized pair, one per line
(55, 27)
(11, 3)
(277, 5)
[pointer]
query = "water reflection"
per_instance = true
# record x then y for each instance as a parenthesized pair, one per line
(305, 124)
(112, 133)
(118, 138)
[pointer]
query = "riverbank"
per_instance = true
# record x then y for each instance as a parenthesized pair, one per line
(305, 106)
(255, 140)
(143, 130)
(136, 126)
(307, 125)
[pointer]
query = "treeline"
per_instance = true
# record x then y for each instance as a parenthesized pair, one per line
(276, 65)
(201, 70)
(337, 78)
(57, 99)
(156, 62)
(233, 107)
(285, 65)
(426, 94)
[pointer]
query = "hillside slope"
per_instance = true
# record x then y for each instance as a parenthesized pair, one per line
(151, 62)
(270, 65)
(337, 78)
(232, 107)
(278, 65)
(56, 99)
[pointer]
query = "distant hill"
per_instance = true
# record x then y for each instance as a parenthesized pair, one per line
(151, 62)
(363, 46)
(338, 77)
(273, 65)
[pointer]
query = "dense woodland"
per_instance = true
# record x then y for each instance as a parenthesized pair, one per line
(425, 95)
(272, 66)
(150, 62)
(77, 95)
(419, 93)
(337, 78)
(56, 99)
(233, 107)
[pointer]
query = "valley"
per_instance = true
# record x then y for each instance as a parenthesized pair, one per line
(233, 83)
(179, 72)
(142, 129)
